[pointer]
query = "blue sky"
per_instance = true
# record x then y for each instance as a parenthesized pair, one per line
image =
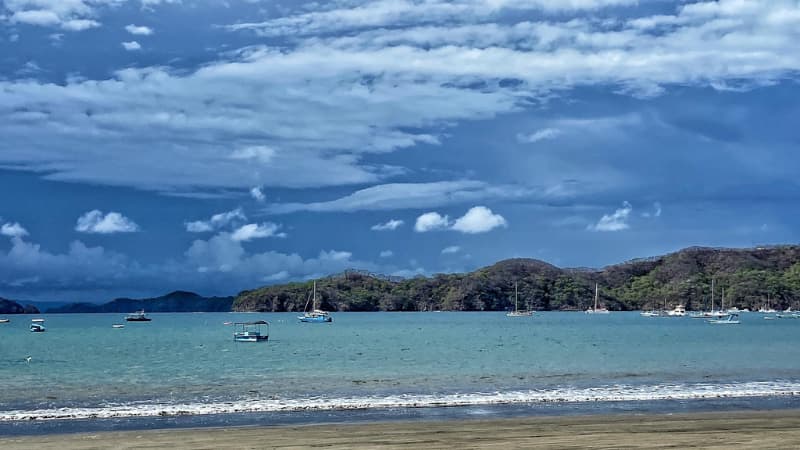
(152, 145)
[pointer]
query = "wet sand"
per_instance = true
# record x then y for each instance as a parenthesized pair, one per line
(765, 429)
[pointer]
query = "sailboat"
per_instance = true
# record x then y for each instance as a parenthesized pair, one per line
(767, 308)
(596, 310)
(651, 313)
(315, 315)
(518, 312)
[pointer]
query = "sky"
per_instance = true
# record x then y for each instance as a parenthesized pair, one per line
(216, 146)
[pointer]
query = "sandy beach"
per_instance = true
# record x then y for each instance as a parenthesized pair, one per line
(766, 429)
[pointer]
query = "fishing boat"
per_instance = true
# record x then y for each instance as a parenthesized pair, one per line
(596, 310)
(138, 316)
(315, 315)
(37, 327)
(251, 331)
(518, 312)
(731, 319)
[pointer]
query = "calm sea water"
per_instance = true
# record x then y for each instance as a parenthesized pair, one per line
(188, 364)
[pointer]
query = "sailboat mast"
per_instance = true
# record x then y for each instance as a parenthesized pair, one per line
(516, 298)
(314, 302)
(712, 295)
(596, 294)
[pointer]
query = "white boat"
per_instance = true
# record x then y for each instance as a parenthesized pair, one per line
(767, 308)
(651, 313)
(518, 312)
(117, 325)
(39, 320)
(596, 310)
(731, 319)
(5, 320)
(677, 311)
(713, 313)
(315, 315)
(251, 331)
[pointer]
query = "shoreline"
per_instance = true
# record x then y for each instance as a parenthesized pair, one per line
(734, 429)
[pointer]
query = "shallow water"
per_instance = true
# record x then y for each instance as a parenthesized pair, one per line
(188, 363)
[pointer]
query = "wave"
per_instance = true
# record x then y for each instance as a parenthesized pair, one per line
(610, 393)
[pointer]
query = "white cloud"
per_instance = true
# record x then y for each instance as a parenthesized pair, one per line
(540, 135)
(139, 30)
(451, 250)
(411, 196)
(257, 194)
(431, 221)
(95, 222)
(617, 221)
(656, 211)
(391, 225)
(268, 97)
(13, 230)
(131, 46)
(217, 221)
(252, 231)
(386, 254)
(479, 219)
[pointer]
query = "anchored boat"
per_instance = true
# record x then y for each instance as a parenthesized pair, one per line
(315, 315)
(251, 331)
(138, 316)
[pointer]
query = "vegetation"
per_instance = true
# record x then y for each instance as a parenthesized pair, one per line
(749, 278)
(178, 301)
(12, 307)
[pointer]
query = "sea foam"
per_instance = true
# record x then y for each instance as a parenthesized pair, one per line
(608, 393)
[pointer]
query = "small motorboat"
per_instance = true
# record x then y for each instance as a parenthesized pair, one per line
(250, 331)
(227, 323)
(138, 316)
(37, 328)
(732, 319)
(38, 320)
(5, 320)
(117, 325)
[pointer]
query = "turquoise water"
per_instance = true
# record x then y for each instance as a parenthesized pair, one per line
(189, 364)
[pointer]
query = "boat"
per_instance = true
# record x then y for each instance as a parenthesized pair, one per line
(5, 320)
(767, 309)
(731, 319)
(315, 315)
(250, 331)
(138, 316)
(38, 320)
(713, 313)
(37, 328)
(677, 311)
(117, 325)
(518, 312)
(651, 313)
(596, 310)
(791, 315)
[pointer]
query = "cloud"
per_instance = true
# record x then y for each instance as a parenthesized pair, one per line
(479, 219)
(451, 250)
(139, 30)
(131, 46)
(13, 230)
(257, 194)
(656, 211)
(412, 196)
(391, 225)
(617, 221)
(217, 221)
(256, 231)
(431, 221)
(386, 254)
(541, 135)
(95, 222)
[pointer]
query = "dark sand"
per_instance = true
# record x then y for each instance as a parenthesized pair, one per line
(750, 430)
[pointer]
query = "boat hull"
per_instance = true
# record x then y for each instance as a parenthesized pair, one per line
(319, 319)
(137, 319)
(251, 338)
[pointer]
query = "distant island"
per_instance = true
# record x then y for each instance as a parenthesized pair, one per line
(12, 307)
(178, 301)
(750, 278)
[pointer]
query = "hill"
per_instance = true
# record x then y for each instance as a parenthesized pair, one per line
(178, 301)
(12, 307)
(748, 276)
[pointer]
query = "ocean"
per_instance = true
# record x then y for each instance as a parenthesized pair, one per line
(186, 370)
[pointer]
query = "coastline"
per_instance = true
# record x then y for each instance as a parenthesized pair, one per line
(735, 429)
